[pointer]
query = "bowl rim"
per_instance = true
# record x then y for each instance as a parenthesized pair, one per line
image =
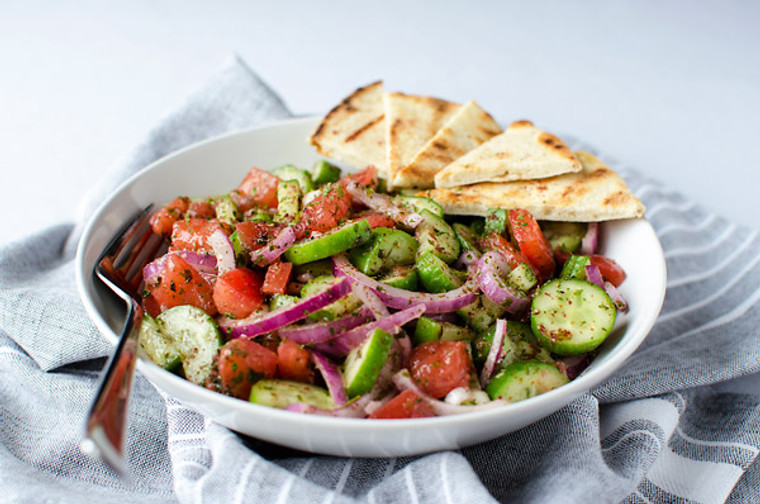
(580, 385)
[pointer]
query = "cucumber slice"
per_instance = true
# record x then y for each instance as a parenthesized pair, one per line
(226, 210)
(435, 275)
(496, 221)
(197, 337)
(566, 235)
(339, 240)
(525, 379)
(334, 310)
(157, 346)
(282, 393)
(575, 267)
(467, 238)
(519, 344)
(290, 172)
(453, 332)
(481, 314)
(418, 203)
(403, 277)
(571, 316)
(427, 329)
(314, 269)
(522, 278)
(435, 235)
(281, 300)
(324, 173)
(389, 248)
(288, 200)
(363, 364)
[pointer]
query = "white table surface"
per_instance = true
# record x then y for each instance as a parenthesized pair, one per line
(670, 88)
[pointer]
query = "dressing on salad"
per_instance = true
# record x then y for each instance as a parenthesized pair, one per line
(325, 294)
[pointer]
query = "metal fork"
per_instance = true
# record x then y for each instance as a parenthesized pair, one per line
(120, 267)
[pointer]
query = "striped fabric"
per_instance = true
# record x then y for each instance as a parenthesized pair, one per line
(661, 430)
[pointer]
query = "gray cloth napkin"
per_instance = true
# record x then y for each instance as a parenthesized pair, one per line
(657, 431)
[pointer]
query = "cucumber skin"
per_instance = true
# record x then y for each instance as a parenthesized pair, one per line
(407, 280)
(467, 238)
(575, 267)
(324, 172)
(278, 393)
(363, 364)
(571, 343)
(339, 240)
(524, 379)
(426, 330)
(435, 275)
(389, 248)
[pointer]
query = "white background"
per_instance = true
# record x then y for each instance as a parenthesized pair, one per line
(670, 88)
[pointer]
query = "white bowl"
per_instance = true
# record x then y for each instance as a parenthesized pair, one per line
(215, 166)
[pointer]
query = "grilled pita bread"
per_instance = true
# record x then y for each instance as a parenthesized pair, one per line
(354, 131)
(596, 193)
(522, 152)
(469, 127)
(410, 122)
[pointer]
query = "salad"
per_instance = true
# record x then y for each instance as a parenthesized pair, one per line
(323, 293)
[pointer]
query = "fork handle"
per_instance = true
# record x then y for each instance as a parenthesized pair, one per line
(106, 420)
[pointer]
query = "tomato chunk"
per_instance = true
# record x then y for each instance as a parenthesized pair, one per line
(375, 219)
(177, 283)
(438, 367)
(532, 242)
(192, 234)
(164, 218)
(277, 278)
(242, 362)
(201, 210)
(294, 362)
(254, 235)
(257, 190)
(237, 293)
(514, 257)
(325, 211)
(405, 405)
(367, 177)
(610, 270)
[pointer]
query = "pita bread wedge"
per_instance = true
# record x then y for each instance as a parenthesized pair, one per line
(410, 122)
(596, 193)
(522, 152)
(354, 131)
(468, 128)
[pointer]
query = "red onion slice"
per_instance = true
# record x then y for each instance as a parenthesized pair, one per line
(617, 298)
(345, 342)
(370, 300)
(223, 250)
(274, 249)
(353, 409)
(332, 377)
(492, 268)
(400, 299)
(403, 380)
(205, 264)
(384, 204)
(590, 239)
(495, 354)
(320, 332)
(593, 274)
(258, 325)
(465, 259)
(573, 366)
